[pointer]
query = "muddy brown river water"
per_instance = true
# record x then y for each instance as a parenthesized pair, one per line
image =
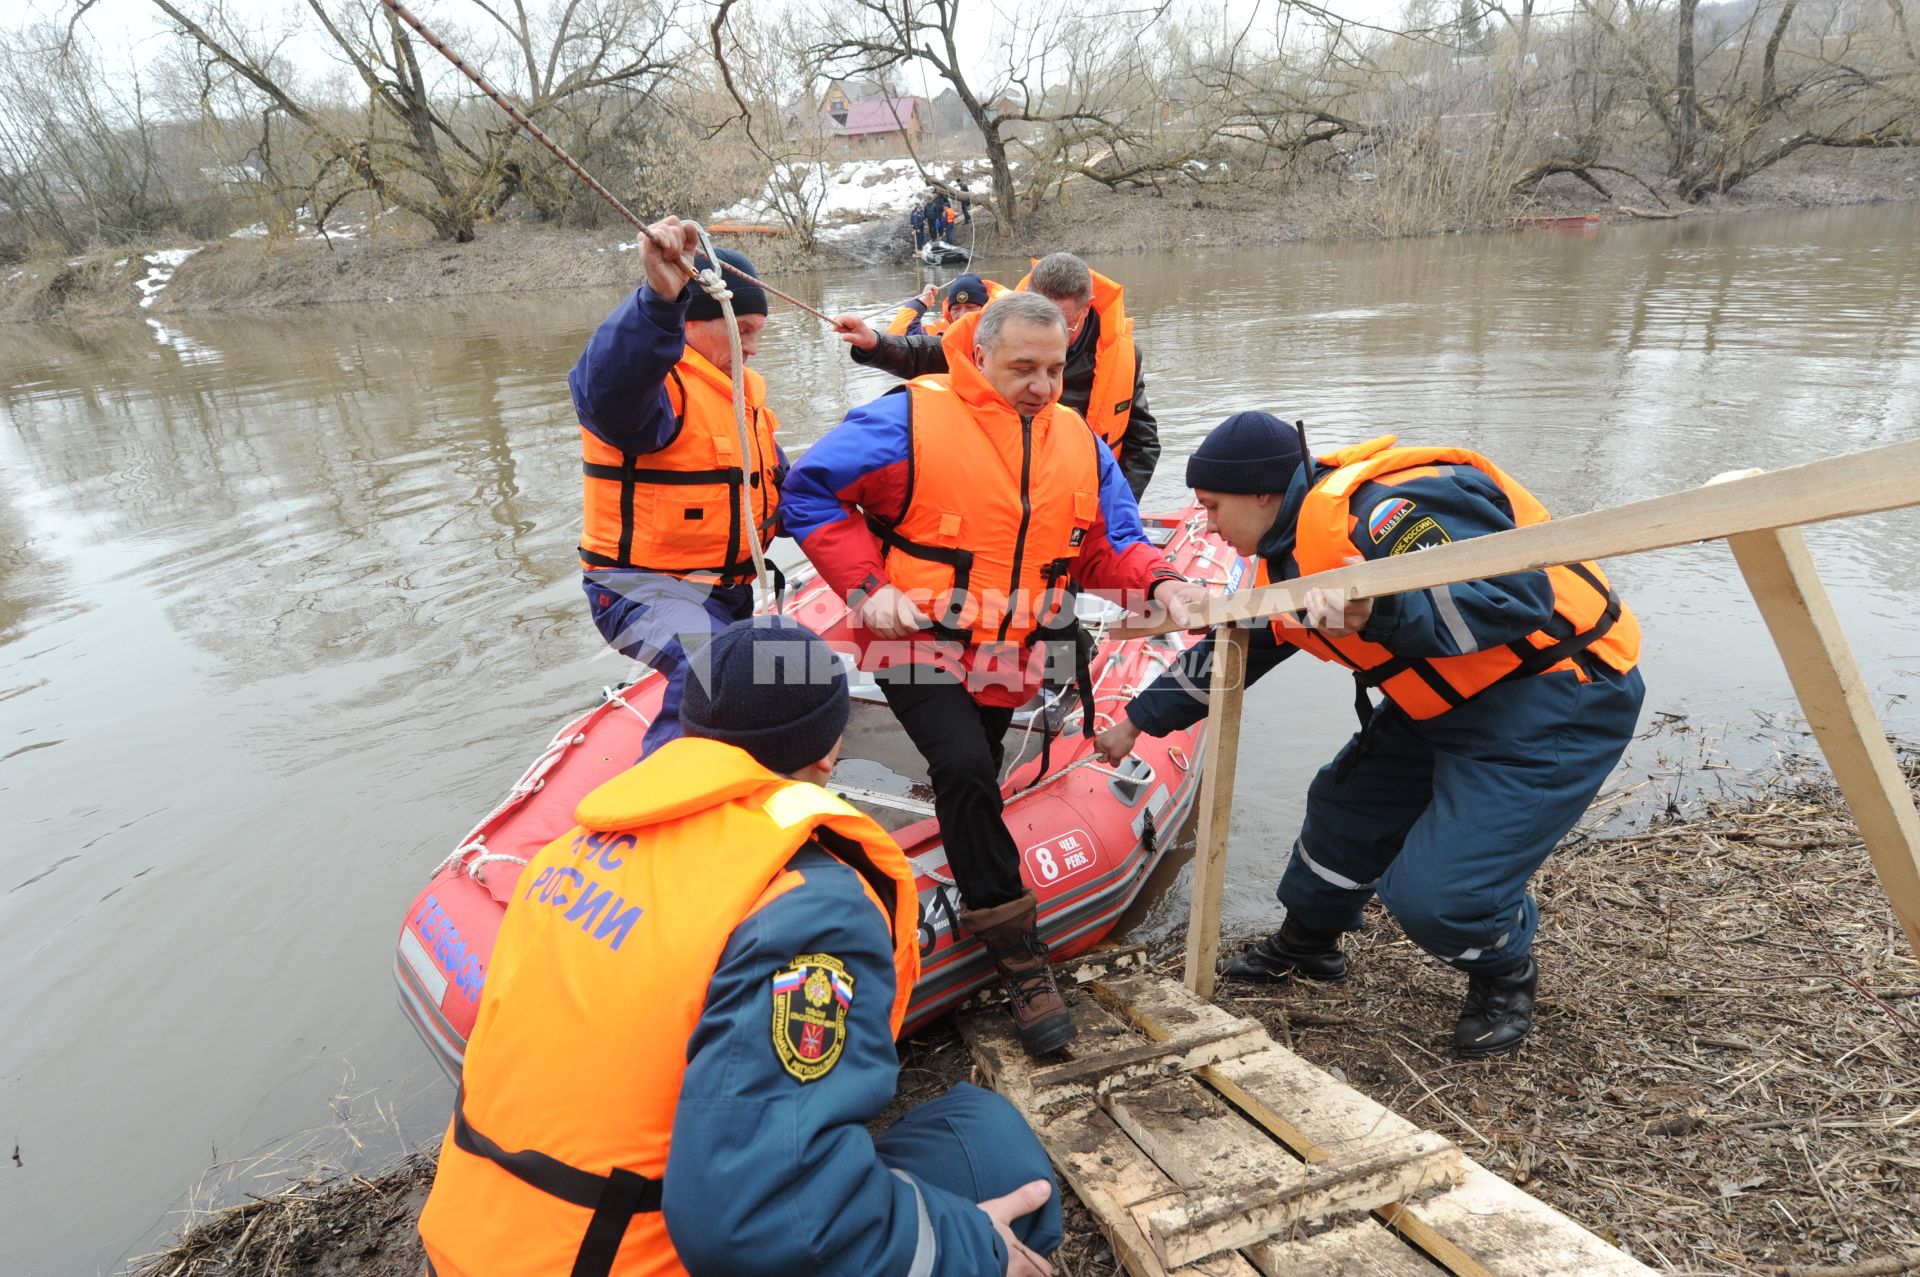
(287, 599)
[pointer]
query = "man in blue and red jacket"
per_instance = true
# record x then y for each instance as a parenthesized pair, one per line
(953, 513)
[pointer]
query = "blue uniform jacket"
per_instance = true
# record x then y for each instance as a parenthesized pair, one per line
(619, 384)
(1445, 621)
(768, 1175)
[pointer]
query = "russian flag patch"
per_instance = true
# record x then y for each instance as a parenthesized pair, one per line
(1387, 516)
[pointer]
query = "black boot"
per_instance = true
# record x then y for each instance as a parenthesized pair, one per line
(1292, 950)
(1498, 1013)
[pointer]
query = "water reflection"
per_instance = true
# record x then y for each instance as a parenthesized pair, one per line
(287, 599)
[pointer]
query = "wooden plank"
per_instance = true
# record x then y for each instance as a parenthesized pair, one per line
(1885, 478)
(1362, 1249)
(1249, 1199)
(1197, 1140)
(1141, 1062)
(1485, 1227)
(1786, 586)
(1227, 694)
(1105, 1169)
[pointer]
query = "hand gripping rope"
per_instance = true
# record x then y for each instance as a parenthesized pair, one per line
(710, 279)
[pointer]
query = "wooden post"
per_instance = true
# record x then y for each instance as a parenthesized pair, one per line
(1224, 698)
(1801, 618)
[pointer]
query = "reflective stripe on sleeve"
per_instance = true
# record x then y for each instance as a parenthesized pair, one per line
(1456, 624)
(925, 1247)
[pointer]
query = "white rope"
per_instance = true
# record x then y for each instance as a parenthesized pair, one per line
(715, 285)
(476, 870)
(617, 696)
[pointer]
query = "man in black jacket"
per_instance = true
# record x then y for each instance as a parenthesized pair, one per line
(1103, 362)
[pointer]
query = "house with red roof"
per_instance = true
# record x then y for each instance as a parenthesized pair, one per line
(877, 128)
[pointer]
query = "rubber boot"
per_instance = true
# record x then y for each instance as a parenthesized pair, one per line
(1498, 1012)
(1010, 932)
(1292, 950)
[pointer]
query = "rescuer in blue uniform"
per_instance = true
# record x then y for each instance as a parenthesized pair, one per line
(1508, 702)
(740, 1146)
(783, 1170)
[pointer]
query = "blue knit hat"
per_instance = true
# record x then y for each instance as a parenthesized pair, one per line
(967, 290)
(770, 686)
(1248, 452)
(748, 299)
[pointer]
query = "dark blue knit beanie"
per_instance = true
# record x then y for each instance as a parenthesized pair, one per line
(748, 299)
(1248, 452)
(770, 686)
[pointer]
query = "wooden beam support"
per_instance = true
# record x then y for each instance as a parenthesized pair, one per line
(1886, 478)
(1142, 1062)
(1207, 1220)
(1800, 616)
(1225, 696)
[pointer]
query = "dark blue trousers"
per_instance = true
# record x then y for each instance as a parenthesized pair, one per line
(659, 620)
(975, 1145)
(1447, 819)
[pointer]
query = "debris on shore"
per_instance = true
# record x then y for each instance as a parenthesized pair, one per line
(1724, 1079)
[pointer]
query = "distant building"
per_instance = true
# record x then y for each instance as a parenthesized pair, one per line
(840, 95)
(889, 127)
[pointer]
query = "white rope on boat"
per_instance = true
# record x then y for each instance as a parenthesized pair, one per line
(617, 696)
(477, 870)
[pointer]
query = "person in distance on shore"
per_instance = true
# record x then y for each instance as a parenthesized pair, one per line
(1508, 702)
(690, 1018)
(664, 556)
(951, 517)
(1104, 382)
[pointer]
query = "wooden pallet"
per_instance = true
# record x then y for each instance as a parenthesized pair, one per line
(1203, 1147)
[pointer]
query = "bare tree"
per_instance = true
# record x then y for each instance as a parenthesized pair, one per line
(1059, 76)
(79, 156)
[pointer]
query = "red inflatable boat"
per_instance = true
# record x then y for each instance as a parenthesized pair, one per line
(1089, 834)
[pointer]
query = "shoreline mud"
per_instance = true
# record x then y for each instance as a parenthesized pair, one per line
(391, 263)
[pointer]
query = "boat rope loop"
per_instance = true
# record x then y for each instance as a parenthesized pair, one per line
(715, 285)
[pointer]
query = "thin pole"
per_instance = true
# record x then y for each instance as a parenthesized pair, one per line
(534, 131)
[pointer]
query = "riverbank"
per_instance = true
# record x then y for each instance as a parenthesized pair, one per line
(390, 263)
(1724, 1078)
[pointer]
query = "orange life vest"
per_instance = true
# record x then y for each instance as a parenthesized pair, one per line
(678, 510)
(1115, 362)
(1588, 616)
(934, 325)
(598, 979)
(996, 511)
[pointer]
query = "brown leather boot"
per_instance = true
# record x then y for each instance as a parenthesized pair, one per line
(1010, 932)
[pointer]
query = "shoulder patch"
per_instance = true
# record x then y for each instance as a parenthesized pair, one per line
(811, 996)
(1425, 534)
(1387, 516)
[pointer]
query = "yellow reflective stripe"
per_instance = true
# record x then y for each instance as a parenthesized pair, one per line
(798, 803)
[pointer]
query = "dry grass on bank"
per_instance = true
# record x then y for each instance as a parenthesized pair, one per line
(1725, 1078)
(395, 264)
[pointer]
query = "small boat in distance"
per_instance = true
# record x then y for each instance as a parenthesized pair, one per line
(1089, 835)
(938, 252)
